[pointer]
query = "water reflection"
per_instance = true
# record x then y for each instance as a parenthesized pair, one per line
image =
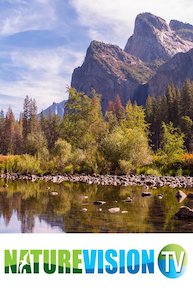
(29, 207)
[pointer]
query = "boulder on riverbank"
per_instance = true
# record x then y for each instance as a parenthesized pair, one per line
(114, 209)
(99, 202)
(128, 199)
(180, 195)
(184, 212)
(109, 180)
(146, 194)
(53, 193)
(190, 195)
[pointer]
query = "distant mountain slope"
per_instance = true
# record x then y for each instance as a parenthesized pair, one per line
(55, 109)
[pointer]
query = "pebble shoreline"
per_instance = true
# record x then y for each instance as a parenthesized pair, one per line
(110, 180)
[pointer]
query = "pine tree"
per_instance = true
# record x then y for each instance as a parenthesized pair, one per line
(187, 99)
(26, 117)
(187, 129)
(9, 131)
(119, 109)
(2, 131)
(149, 108)
(173, 104)
(18, 139)
(33, 120)
(159, 113)
(111, 106)
(51, 127)
(135, 117)
(172, 143)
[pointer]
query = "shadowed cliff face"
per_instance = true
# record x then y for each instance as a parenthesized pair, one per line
(154, 39)
(110, 71)
(177, 70)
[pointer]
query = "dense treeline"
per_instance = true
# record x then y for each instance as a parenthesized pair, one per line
(176, 107)
(153, 140)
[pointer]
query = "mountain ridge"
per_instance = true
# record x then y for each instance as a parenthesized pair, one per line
(54, 109)
(122, 73)
(153, 39)
(148, 62)
(177, 71)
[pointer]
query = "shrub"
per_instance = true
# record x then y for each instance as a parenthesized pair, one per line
(8, 164)
(27, 164)
(125, 166)
(130, 145)
(68, 169)
(149, 171)
(35, 143)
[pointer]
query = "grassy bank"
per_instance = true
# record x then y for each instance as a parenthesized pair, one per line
(27, 164)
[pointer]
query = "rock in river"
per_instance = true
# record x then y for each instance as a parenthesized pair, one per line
(84, 209)
(128, 199)
(114, 209)
(146, 194)
(99, 202)
(53, 193)
(180, 195)
(184, 212)
(100, 209)
(190, 195)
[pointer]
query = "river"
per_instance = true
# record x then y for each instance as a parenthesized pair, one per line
(29, 207)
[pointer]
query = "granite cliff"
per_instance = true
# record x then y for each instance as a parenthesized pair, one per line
(184, 30)
(155, 40)
(154, 55)
(111, 71)
(176, 70)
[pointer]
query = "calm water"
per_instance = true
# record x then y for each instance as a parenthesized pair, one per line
(29, 208)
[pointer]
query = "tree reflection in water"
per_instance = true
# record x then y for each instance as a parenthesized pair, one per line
(28, 207)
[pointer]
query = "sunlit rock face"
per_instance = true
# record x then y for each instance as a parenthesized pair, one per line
(111, 72)
(155, 40)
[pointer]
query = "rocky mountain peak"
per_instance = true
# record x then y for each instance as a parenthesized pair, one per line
(147, 22)
(103, 52)
(183, 30)
(154, 40)
(110, 71)
(178, 25)
(155, 54)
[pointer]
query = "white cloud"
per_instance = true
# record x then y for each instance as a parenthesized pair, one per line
(43, 75)
(113, 20)
(45, 72)
(17, 16)
(40, 72)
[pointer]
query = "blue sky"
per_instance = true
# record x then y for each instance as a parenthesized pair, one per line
(42, 41)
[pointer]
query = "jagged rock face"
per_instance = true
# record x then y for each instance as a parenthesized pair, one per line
(156, 54)
(176, 70)
(154, 40)
(184, 30)
(110, 71)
